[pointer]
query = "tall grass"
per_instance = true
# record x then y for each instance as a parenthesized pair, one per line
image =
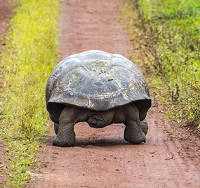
(173, 31)
(30, 55)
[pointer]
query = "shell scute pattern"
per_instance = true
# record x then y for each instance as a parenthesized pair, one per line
(96, 80)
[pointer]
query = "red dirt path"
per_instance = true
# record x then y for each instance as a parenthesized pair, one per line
(5, 14)
(101, 157)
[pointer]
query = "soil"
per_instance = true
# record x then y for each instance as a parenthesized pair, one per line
(101, 157)
(5, 14)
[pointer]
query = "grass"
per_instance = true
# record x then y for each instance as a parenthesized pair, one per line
(171, 41)
(30, 55)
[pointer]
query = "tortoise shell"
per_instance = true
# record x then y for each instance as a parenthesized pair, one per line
(98, 81)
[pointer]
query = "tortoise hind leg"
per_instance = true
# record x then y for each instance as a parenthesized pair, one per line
(65, 131)
(56, 126)
(133, 132)
(144, 126)
(65, 136)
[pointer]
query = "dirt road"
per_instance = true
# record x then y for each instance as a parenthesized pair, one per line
(101, 157)
(5, 14)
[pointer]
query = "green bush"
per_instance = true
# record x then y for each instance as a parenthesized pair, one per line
(30, 54)
(173, 27)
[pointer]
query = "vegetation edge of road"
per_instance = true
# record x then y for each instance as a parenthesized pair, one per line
(167, 40)
(30, 54)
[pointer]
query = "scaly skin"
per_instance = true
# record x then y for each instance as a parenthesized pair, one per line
(128, 114)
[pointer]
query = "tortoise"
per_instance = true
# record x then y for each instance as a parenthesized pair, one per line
(98, 88)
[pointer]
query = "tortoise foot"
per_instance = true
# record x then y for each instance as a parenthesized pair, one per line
(63, 142)
(134, 137)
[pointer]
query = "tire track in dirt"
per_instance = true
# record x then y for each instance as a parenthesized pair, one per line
(101, 157)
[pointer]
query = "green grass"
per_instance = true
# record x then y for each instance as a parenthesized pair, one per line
(172, 47)
(30, 54)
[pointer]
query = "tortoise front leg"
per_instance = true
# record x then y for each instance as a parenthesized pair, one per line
(65, 130)
(133, 132)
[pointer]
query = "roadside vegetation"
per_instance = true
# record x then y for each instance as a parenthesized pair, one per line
(30, 54)
(170, 39)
